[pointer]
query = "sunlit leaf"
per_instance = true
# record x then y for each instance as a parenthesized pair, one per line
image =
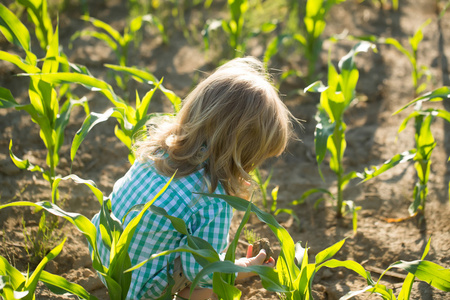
(432, 273)
(13, 29)
(438, 94)
(60, 285)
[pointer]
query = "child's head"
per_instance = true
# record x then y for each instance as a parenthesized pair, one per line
(232, 122)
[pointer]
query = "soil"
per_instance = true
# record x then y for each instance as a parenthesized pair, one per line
(384, 85)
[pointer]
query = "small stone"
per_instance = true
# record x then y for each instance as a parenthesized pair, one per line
(327, 274)
(262, 244)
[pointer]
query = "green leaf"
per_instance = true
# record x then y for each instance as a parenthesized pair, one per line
(51, 63)
(63, 119)
(123, 137)
(13, 30)
(272, 49)
(405, 292)
(110, 227)
(389, 164)
(396, 44)
(418, 36)
(349, 264)
(142, 108)
(57, 283)
(91, 120)
(16, 60)
(231, 251)
(98, 35)
(317, 87)
(379, 289)
(309, 193)
(224, 290)
(208, 254)
(268, 27)
(432, 273)
(324, 129)
(23, 164)
(177, 223)
(136, 24)
(328, 252)
(137, 74)
(108, 28)
(89, 183)
(438, 94)
(346, 179)
(14, 276)
(87, 81)
(347, 62)
(269, 276)
(6, 99)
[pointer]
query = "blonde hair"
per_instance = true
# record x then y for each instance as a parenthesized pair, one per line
(230, 123)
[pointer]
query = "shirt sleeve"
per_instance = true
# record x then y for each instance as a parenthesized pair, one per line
(211, 223)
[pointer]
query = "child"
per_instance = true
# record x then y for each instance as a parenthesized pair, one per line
(228, 125)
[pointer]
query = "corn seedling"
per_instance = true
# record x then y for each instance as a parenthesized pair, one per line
(330, 128)
(420, 74)
(120, 44)
(430, 272)
(418, 71)
(425, 144)
(44, 107)
(234, 27)
(263, 184)
(15, 285)
(314, 22)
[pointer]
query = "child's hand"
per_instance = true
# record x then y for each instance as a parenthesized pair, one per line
(257, 260)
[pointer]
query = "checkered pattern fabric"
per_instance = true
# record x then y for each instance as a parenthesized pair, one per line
(207, 218)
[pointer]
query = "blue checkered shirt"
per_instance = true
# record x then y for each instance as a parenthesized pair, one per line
(205, 217)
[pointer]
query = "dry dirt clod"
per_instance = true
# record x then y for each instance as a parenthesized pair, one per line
(262, 244)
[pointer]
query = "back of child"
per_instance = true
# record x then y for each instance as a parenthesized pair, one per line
(228, 125)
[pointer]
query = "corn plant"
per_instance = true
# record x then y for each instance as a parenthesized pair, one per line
(15, 285)
(234, 27)
(131, 120)
(419, 72)
(293, 276)
(44, 107)
(314, 23)
(119, 43)
(425, 144)
(330, 128)
(263, 184)
(430, 272)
